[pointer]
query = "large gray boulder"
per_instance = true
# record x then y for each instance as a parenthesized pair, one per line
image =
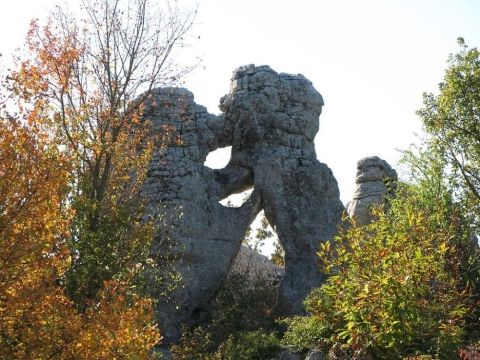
(183, 195)
(315, 354)
(274, 119)
(376, 181)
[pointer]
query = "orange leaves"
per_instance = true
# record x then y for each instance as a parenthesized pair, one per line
(31, 77)
(55, 56)
(33, 177)
(37, 319)
(32, 184)
(117, 326)
(70, 211)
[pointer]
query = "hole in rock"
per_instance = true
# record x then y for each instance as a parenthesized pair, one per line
(219, 158)
(252, 286)
(261, 256)
(237, 200)
(262, 238)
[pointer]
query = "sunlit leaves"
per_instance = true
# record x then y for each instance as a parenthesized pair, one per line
(452, 122)
(392, 287)
(38, 320)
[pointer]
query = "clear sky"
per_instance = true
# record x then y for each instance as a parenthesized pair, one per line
(371, 60)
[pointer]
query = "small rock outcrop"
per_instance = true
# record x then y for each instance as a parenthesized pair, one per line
(288, 355)
(376, 180)
(315, 354)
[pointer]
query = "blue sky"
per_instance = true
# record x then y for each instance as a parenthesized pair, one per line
(371, 60)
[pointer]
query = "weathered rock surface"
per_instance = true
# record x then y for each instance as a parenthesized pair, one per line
(315, 354)
(183, 196)
(257, 266)
(375, 181)
(288, 354)
(274, 119)
(270, 120)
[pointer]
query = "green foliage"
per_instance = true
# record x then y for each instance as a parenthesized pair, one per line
(394, 286)
(195, 345)
(451, 121)
(109, 249)
(306, 332)
(447, 166)
(255, 345)
(242, 306)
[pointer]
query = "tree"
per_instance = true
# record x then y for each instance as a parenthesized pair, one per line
(89, 78)
(452, 123)
(38, 320)
(409, 282)
(31, 224)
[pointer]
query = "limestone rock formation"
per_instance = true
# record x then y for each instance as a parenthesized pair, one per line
(274, 119)
(183, 197)
(375, 181)
(270, 120)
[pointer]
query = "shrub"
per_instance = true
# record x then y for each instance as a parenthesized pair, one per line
(255, 345)
(306, 332)
(394, 286)
(242, 306)
(195, 344)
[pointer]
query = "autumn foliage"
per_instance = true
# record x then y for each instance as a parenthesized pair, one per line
(32, 225)
(84, 81)
(73, 156)
(38, 320)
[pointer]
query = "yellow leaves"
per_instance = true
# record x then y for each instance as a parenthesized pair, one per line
(37, 319)
(443, 248)
(365, 289)
(117, 326)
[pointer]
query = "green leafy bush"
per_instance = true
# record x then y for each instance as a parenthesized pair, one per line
(195, 345)
(394, 286)
(450, 120)
(243, 306)
(255, 345)
(306, 332)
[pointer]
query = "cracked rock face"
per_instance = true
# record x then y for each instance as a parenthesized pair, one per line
(273, 119)
(183, 196)
(375, 181)
(270, 120)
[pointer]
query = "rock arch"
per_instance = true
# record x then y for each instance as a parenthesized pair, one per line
(270, 120)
